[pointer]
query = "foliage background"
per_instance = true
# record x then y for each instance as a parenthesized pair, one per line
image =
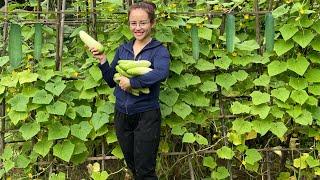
(245, 114)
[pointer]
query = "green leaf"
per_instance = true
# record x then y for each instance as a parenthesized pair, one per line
(209, 162)
(176, 66)
(117, 152)
(278, 129)
(191, 79)
(248, 45)
(203, 65)
(57, 131)
(281, 94)
(9, 81)
(295, 111)
(241, 126)
(259, 97)
(84, 111)
(314, 89)
(188, 138)
(89, 83)
(201, 140)
(27, 77)
(178, 130)
(252, 156)
(56, 88)
(28, 91)
(299, 96)
(299, 65)
(3, 61)
(280, 11)
(195, 20)
(22, 161)
(58, 108)
(305, 118)
(164, 34)
(208, 86)
(60, 176)
(316, 26)
(316, 43)
(81, 130)
(19, 102)
(176, 82)
(224, 62)
(29, 130)
(313, 75)
(45, 74)
(276, 67)
(288, 30)
(42, 97)
(126, 32)
(281, 46)
(95, 73)
(182, 109)
(43, 147)
(100, 175)
(263, 80)
(88, 94)
(298, 83)
(2, 89)
(7, 153)
(238, 108)
(169, 96)
(16, 116)
(240, 75)
(221, 173)
(99, 119)
(195, 98)
(303, 38)
(225, 80)
(261, 110)
(42, 116)
(261, 126)
(225, 153)
(8, 165)
(205, 33)
(64, 150)
(312, 162)
(301, 161)
(111, 137)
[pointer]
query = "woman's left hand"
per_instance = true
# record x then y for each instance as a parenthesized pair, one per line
(124, 83)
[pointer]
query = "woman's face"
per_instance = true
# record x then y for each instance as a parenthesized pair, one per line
(140, 24)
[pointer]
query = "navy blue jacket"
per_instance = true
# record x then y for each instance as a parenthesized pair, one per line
(159, 57)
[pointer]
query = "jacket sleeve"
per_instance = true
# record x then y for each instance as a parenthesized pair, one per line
(108, 71)
(159, 73)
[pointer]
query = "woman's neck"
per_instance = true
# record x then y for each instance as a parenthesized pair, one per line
(143, 42)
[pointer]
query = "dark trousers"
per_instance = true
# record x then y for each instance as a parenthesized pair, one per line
(139, 137)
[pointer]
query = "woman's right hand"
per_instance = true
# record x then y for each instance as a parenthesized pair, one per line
(100, 56)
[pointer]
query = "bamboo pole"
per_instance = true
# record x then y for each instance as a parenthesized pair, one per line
(58, 26)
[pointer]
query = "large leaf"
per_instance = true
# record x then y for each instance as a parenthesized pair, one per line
(3, 60)
(43, 147)
(252, 156)
(248, 45)
(276, 67)
(225, 153)
(176, 66)
(288, 30)
(19, 102)
(205, 33)
(263, 80)
(303, 38)
(224, 62)
(203, 65)
(201, 140)
(164, 34)
(240, 75)
(95, 73)
(305, 118)
(45, 74)
(58, 108)
(280, 11)
(281, 94)
(57, 131)
(241, 126)
(42, 116)
(208, 86)
(42, 97)
(117, 152)
(29, 130)
(209, 162)
(261, 126)
(314, 89)
(191, 79)
(169, 96)
(279, 129)
(188, 138)
(298, 83)
(220, 173)
(299, 65)
(81, 130)
(56, 88)
(99, 119)
(238, 108)
(84, 111)
(9, 81)
(259, 97)
(312, 75)
(261, 110)
(195, 98)
(281, 46)
(64, 150)
(182, 109)
(299, 96)
(316, 44)
(27, 77)
(16, 116)
(225, 80)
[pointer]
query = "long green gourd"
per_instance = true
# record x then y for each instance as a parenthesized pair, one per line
(269, 32)
(195, 42)
(230, 32)
(15, 45)
(37, 41)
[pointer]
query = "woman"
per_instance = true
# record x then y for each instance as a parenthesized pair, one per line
(138, 118)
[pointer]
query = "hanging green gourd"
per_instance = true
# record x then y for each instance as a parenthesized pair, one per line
(230, 32)
(195, 42)
(37, 41)
(15, 45)
(269, 32)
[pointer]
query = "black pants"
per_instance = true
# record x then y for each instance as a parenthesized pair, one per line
(139, 137)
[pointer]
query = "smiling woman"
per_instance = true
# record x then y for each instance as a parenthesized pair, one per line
(138, 117)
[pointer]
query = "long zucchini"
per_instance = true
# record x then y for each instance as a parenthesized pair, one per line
(230, 32)
(195, 42)
(37, 41)
(15, 45)
(269, 32)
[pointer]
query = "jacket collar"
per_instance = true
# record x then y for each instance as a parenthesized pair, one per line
(154, 43)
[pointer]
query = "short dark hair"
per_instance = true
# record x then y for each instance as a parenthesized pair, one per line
(147, 6)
